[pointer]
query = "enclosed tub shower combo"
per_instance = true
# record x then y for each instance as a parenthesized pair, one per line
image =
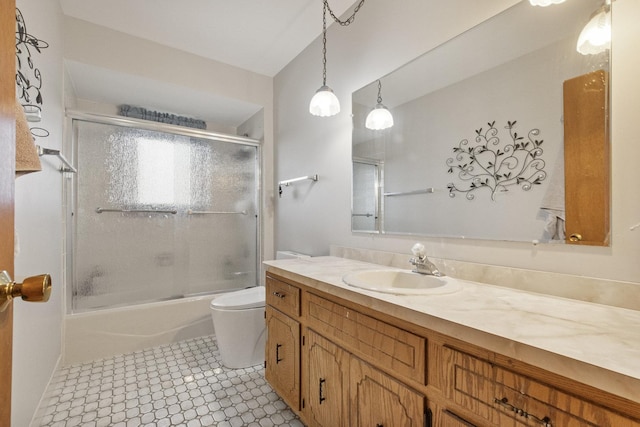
(157, 213)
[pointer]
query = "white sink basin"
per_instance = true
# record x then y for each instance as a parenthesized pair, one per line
(401, 282)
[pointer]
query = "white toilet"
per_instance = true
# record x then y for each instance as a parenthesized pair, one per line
(238, 320)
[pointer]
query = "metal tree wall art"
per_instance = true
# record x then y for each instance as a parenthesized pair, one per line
(491, 164)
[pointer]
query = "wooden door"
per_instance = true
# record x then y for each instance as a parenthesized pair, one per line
(586, 159)
(282, 355)
(327, 394)
(377, 400)
(7, 176)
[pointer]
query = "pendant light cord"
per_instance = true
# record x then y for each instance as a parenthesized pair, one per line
(350, 19)
(344, 23)
(324, 42)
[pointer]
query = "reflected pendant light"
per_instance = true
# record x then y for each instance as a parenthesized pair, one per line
(380, 117)
(324, 103)
(545, 3)
(595, 37)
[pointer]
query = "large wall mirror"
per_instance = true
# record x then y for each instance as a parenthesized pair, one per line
(501, 133)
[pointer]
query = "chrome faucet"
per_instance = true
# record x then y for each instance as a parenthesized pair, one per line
(421, 262)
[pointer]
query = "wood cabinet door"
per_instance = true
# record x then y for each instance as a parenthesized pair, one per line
(282, 355)
(377, 400)
(327, 393)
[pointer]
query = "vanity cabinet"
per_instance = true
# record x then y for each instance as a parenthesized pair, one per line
(338, 363)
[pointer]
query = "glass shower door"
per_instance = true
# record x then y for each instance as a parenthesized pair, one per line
(161, 215)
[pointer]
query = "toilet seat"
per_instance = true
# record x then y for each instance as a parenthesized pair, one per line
(240, 300)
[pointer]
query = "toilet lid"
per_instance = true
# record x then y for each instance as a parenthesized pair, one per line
(238, 300)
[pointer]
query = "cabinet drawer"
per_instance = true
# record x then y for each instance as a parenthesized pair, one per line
(375, 341)
(505, 397)
(283, 296)
(449, 419)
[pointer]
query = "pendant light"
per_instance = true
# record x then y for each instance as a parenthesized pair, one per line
(595, 37)
(380, 117)
(324, 103)
(545, 3)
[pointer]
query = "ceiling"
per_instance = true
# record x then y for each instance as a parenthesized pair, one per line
(256, 35)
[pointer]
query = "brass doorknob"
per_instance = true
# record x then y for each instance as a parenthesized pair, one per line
(32, 289)
(575, 237)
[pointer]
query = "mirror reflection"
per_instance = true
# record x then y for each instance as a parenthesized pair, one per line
(501, 133)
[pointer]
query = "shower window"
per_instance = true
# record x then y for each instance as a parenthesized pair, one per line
(161, 215)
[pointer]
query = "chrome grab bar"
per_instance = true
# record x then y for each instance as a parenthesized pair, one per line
(101, 210)
(190, 212)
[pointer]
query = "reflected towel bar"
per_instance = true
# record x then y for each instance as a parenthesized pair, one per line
(49, 152)
(363, 214)
(190, 212)
(407, 193)
(100, 210)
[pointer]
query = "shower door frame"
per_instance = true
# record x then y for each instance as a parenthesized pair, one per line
(70, 192)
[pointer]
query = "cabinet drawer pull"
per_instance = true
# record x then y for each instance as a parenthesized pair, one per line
(280, 295)
(379, 425)
(321, 390)
(278, 360)
(546, 421)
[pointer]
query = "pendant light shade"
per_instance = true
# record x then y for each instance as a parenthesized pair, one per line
(324, 103)
(596, 35)
(380, 117)
(545, 3)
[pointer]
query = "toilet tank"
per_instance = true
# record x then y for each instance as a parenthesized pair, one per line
(290, 255)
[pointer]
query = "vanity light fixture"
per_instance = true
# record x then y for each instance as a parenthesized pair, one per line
(380, 117)
(325, 103)
(595, 37)
(545, 3)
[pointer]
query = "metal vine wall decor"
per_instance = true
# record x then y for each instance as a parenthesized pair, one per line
(495, 165)
(28, 76)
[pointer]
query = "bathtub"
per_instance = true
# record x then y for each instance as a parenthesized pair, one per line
(105, 333)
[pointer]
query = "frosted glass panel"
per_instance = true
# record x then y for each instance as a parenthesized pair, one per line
(178, 216)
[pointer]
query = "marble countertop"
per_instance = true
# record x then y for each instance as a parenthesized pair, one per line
(595, 344)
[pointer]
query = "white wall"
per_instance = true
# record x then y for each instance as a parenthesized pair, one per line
(38, 213)
(384, 36)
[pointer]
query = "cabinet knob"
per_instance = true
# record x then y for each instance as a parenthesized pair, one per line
(575, 237)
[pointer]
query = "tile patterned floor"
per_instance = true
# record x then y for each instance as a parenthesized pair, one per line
(180, 384)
